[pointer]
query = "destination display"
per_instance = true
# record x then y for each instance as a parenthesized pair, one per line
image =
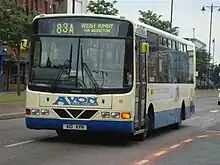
(82, 26)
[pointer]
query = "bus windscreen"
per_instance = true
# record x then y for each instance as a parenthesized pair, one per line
(85, 26)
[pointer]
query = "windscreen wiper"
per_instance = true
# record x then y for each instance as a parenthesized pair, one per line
(67, 64)
(88, 71)
(64, 66)
(104, 73)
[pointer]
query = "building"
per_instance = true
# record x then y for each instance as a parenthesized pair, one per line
(198, 43)
(42, 6)
(73, 6)
(10, 71)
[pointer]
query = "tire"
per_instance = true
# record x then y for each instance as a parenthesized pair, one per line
(218, 102)
(179, 124)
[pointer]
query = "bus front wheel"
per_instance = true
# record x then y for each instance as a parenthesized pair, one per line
(182, 116)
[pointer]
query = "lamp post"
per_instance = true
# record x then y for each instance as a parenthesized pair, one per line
(171, 14)
(213, 49)
(211, 7)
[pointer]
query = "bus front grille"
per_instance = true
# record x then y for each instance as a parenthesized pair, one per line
(87, 114)
(75, 114)
(62, 113)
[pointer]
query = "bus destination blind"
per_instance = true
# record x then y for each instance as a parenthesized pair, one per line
(77, 27)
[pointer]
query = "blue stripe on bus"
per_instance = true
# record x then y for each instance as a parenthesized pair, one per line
(168, 117)
(101, 126)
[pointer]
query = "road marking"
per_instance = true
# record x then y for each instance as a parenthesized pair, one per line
(192, 118)
(175, 146)
(208, 122)
(214, 111)
(167, 150)
(188, 140)
(202, 136)
(20, 143)
(28, 141)
(160, 153)
(142, 162)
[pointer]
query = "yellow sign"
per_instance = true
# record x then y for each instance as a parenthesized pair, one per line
(24, 44)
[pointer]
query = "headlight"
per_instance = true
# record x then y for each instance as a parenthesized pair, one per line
(45, 112)
(35, 112)
(105, 114)
(115, 115)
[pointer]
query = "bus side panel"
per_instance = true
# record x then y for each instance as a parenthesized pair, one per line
(190, 110)
(167, 102)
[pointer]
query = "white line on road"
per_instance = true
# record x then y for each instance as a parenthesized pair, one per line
(20, 143)
(175, 146)
(202, 136)
(142, 162)
(194, 118)
(188, 140)
(160, 153)
(28, 141)
(207, 123)
(214, 111)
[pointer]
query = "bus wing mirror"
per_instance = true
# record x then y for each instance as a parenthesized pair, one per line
(144, 47)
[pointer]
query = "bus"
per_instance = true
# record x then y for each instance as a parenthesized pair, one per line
(107, 74)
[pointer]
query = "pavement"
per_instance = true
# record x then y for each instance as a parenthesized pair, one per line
(197, 142)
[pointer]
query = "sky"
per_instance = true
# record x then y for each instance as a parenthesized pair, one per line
(187, 15)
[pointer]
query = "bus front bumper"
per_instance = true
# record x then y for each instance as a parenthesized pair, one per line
(92, 126)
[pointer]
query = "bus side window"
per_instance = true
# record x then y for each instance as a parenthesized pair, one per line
(153, 41)
(137, 47)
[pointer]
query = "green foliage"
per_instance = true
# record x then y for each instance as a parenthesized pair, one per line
(102, 7)
(153, 19)
(215, 75)
(14, 23)
(202, 61)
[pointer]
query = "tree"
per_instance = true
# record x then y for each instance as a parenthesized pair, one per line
(202, 65)
(153, 19)
(102, 7)
(15, 25)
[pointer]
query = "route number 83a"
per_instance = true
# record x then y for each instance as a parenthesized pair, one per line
(65, 28)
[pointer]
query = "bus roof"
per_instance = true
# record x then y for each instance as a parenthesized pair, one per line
(163, 33)
(78, 14)
(135, 23)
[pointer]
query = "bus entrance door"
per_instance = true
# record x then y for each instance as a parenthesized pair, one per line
(141, 86)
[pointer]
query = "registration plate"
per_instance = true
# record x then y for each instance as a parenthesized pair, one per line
(74, 127)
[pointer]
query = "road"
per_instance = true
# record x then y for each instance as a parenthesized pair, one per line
(197, 142)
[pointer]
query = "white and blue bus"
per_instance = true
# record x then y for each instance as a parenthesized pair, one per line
(98, 73)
